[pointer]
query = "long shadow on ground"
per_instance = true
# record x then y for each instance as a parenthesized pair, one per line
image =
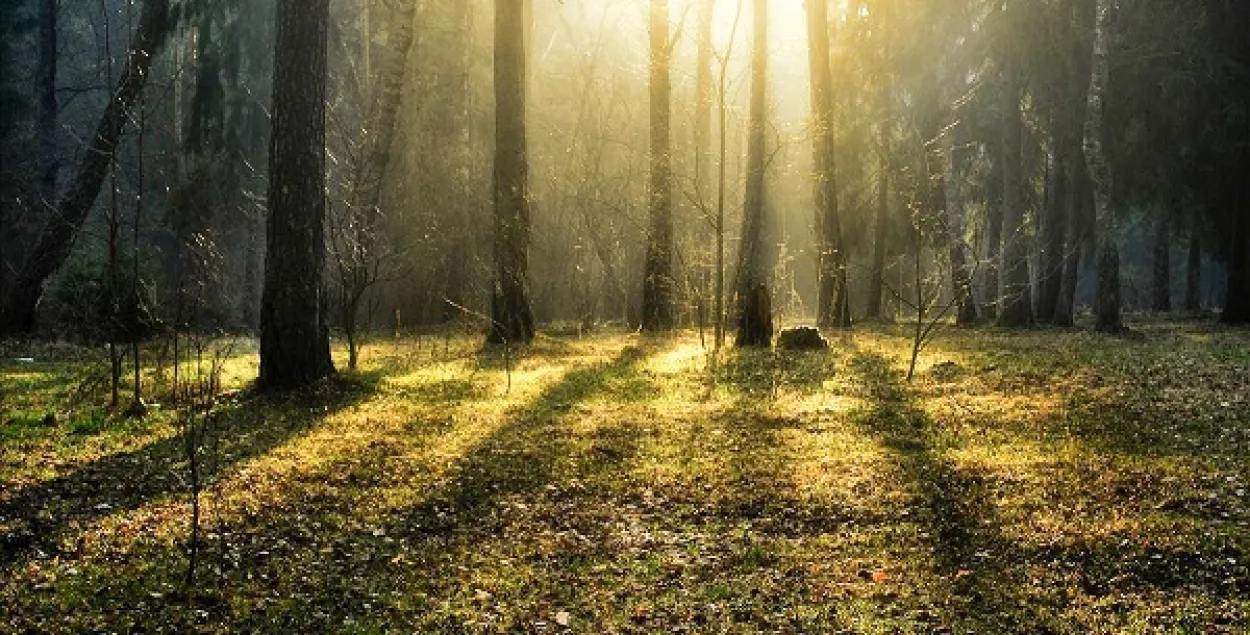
(531, 461)
(39, 515)
(970, 555)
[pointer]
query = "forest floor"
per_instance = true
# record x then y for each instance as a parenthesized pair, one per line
(1042, 481)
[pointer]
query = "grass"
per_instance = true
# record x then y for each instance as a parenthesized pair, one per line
(1043, 481)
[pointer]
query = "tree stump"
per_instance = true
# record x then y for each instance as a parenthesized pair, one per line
(802, 338)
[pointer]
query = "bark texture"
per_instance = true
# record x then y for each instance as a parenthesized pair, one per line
(512, 318)
(294, 338)
(753, 269)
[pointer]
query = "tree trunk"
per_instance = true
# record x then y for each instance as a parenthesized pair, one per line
(460, 252)
(833, 305)
(752, 265)
(57, 238)
(294, 339)
(1237, 296)
(1015, 298)
(48, 108)
(657, 290)
(512, 319)
(993, 238)
(946, 195)
(1193, 272)
(1107, 300)
(1076, 205)
(1162, 283)
(1050, 278)
(876, 277)
(703, 96)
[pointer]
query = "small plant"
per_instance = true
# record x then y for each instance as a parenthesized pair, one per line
(196, 396)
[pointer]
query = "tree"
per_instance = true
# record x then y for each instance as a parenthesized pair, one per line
(1227, 23)
(49, 165)
(294, 339)
(57, 238)
(657, 301)
(357, 241)
(1161, 283)
(754, 309)
(833, 304)
(1107, 300)
(1015, 305)
(512, 319)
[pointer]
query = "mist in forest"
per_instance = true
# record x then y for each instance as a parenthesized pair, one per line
(972, 159)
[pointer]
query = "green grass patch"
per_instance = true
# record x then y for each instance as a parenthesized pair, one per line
(1045, 481)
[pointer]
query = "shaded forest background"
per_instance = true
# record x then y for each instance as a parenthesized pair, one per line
(957, 127)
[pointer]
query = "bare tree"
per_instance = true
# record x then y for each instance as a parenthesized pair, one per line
(57, 238)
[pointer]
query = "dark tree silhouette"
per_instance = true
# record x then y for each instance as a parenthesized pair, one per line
(294, 338)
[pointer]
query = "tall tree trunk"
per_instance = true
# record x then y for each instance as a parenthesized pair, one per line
(1162, 282)
(294, 339)
(754, 323)
(994, 236)
(49, 165)
(1107, 300)
(513, 321)
(946, 195)
(1076, 205)
(1050, 278)
(657, 289)
(1193, 272)
(57, 238)
(876, 276)
(833, 305)
(703, 96)
(460, 253)
(1015, 298)
(1237, 296)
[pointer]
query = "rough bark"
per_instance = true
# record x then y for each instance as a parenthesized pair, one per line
(833, 305)
(57, 237)
(512, 319)
(1107, 299)
(294, 339)
(752, 266)
(1161, 287)
(657, 290)
(1015, 298)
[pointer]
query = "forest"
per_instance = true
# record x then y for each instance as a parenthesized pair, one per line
(625, 316)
